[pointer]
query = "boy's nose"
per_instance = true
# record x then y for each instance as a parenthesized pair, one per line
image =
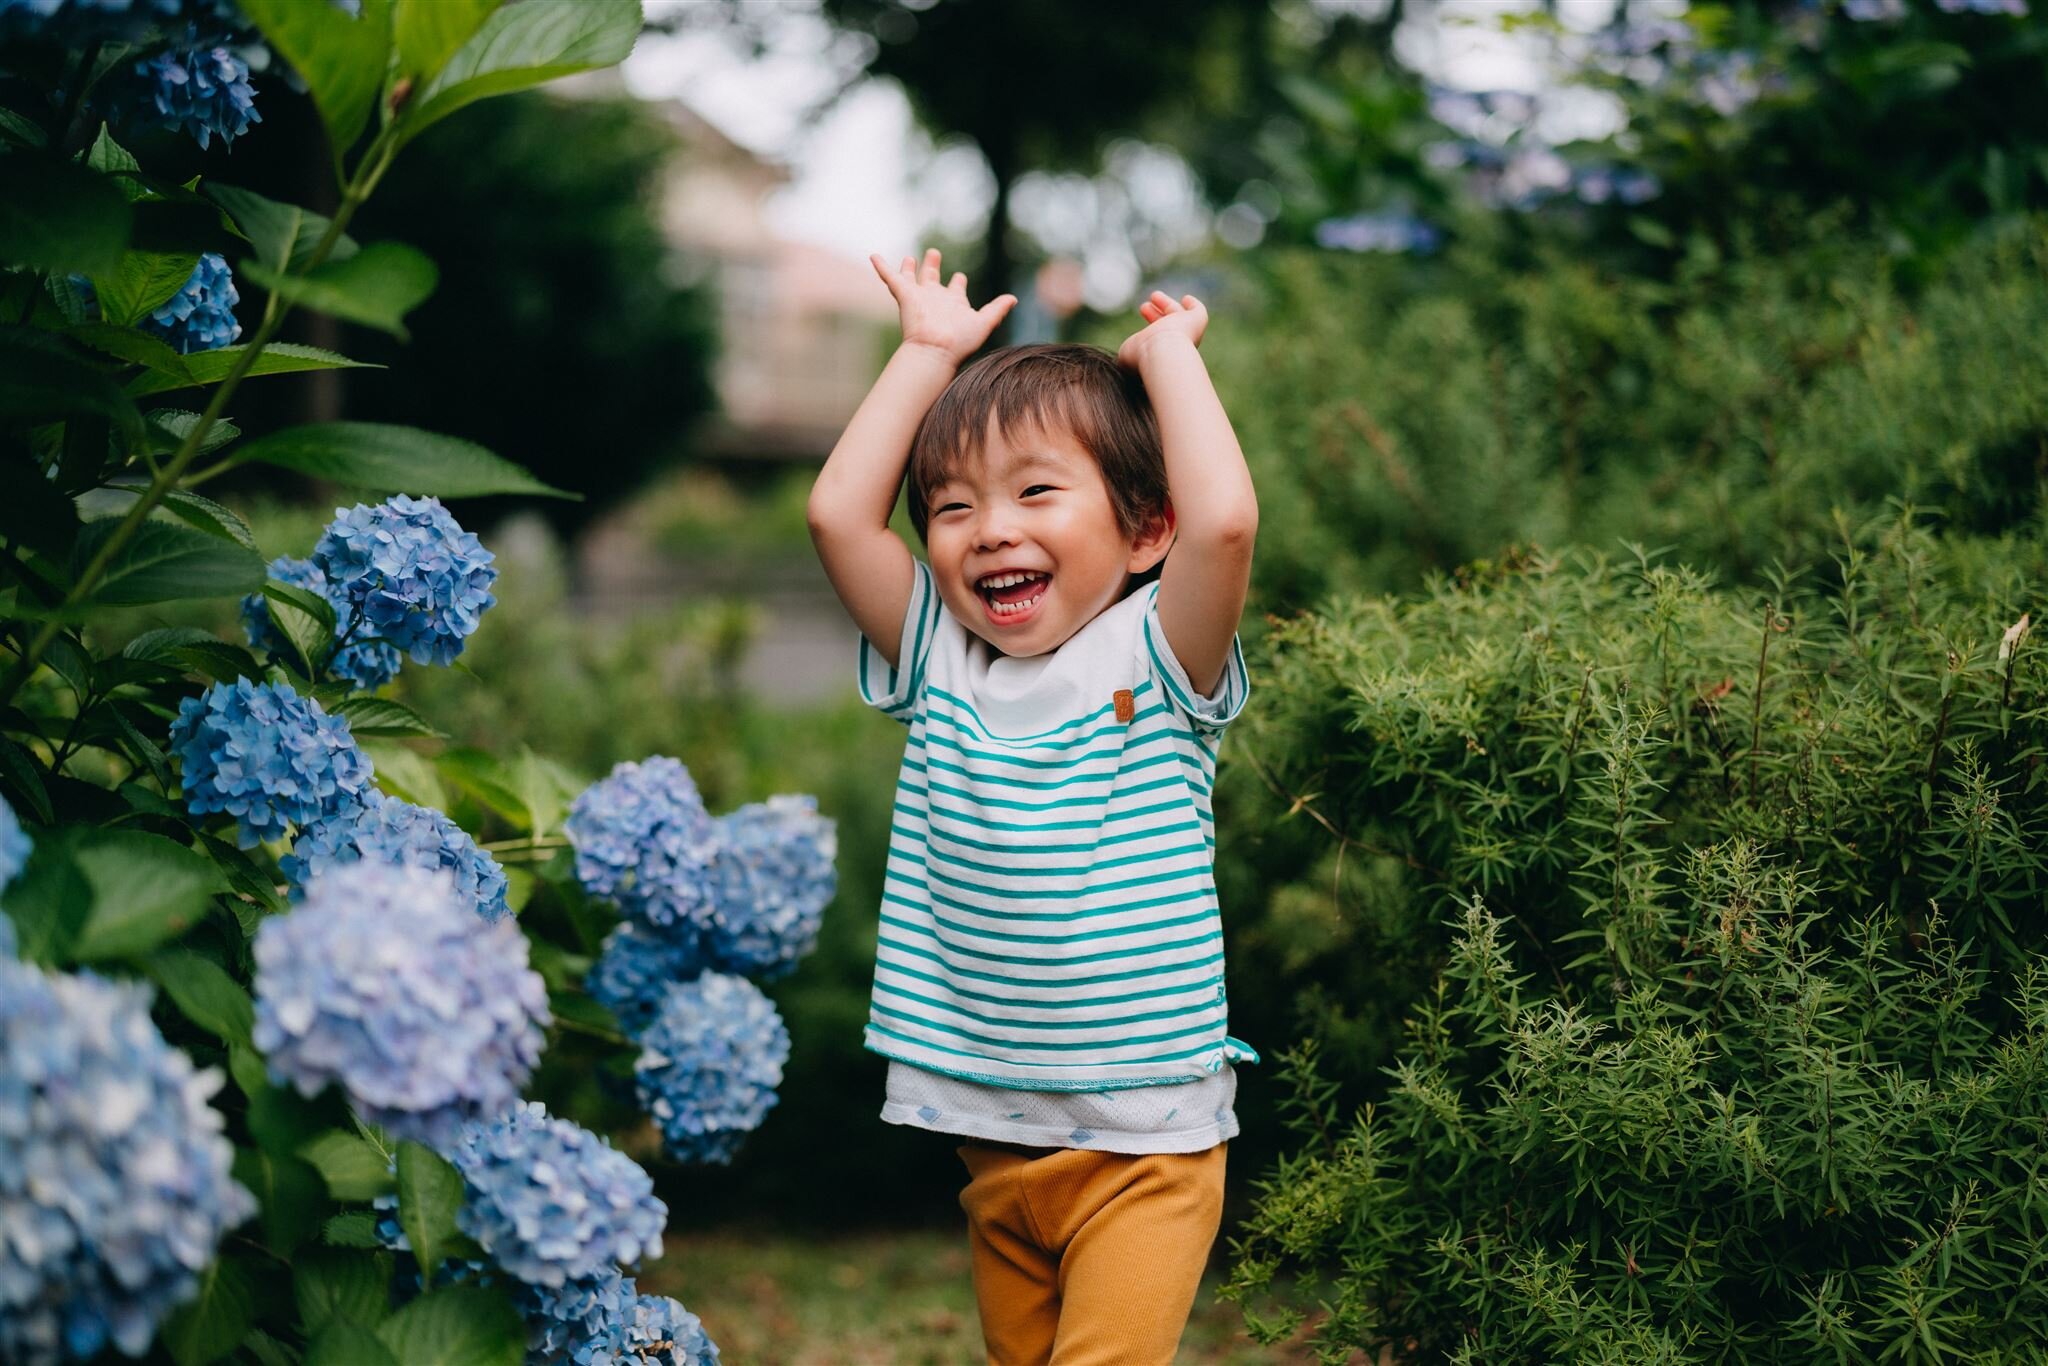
(995, 529)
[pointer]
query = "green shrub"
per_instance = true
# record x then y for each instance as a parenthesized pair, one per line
(1735, 1042)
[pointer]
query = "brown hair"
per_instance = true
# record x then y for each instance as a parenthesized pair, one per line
(1079, 388)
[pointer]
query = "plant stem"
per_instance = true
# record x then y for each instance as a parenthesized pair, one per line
(368, 171)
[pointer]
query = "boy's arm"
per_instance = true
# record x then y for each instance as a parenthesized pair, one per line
(1216, 512)
(850, 502)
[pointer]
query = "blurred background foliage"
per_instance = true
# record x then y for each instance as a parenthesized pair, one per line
(1801, 287)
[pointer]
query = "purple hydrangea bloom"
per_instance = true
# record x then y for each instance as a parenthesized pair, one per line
(418, 578)
(198, 84)
(551, 1202)
(114, 1173)
(363, 662)
(636, 968)
(397, 831)
(644, 840)
(384, 981)
(709, 1065)
(771, 880)
(268, 757)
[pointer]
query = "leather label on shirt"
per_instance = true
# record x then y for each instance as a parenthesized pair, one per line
(1126, 705)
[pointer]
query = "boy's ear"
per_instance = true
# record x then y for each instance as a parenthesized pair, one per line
(1154, 539)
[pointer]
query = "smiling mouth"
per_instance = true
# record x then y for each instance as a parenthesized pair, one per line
(1012, 591)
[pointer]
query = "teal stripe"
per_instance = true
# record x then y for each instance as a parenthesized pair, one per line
(1069, 893)
(1002, 870)
(1204, 913)
(967, 708)
(1040, 960)
(983, 823)
(1049, 784)
(969, 1035)
(983, 1057)
(1150, 734)
(998, 1022)
(1178, 828)
(1096, 979)
(1063, 1003)
(1096, 804)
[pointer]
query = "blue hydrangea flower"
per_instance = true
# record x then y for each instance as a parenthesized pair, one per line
(1390, 232)
(657, 1331)
(363, 662)
(384, 981)
(644, 840)
(636, 968)
(2014, 7)
(399, 832)
(709, 1065)
(268, 757)
(771, 880)
(549, 1201)
(114, 1173)
(200, 316)
(14, 844)
(198, 84)
(417, 577)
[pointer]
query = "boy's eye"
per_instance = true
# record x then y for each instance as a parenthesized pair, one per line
(1038, 488)
(950, 506)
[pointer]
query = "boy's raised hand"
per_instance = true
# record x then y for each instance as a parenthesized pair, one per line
(938, 315)
(1164, 317)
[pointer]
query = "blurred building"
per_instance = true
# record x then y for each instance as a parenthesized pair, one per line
(803, 330)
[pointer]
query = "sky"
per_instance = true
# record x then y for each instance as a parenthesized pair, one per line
(867, 179)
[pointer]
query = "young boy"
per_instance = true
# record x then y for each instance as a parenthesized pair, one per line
(1049, 978)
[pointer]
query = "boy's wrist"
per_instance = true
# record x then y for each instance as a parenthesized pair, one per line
(932, 351)
(1166, 347)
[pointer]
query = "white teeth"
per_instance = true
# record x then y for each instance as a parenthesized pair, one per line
(1005, 580)
(1003, 609)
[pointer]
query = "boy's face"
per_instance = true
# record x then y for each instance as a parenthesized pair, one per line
(1025, 544)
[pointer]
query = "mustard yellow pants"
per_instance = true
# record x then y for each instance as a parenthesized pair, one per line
(1085, 1258)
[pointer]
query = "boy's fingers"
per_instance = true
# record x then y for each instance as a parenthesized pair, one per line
(929, 274)
(959, 284)
(909, 267)
(875, 260)
(995, 308)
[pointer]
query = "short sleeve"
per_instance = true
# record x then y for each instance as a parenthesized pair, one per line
(1221, 706)
(895, 691)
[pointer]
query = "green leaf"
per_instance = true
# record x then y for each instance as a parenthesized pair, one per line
(404, 774)
(125, 343)
(50, 899)
(461, 1325)
(165, 563)
(191, 650)
(285, 236)
(145, 889)
(303, 617)
(377, 286)
(205, 994)
(342, 58)
(333, 1282)
(429, 1193)
(141, 748)
(170, 427)
(199, 512)
(19, 774)
(211, 367)
(430, 31)
(42, 380)
(382, 716)
(346, 1343)
(483, 777)
(242, 873)
(209, 1327)
(61, 216)
(293, 1201)
(352, 1168)
(356, 1228)
(111, 159)
(385, 458)
(520, 46)
(139, 282)
(21, 131)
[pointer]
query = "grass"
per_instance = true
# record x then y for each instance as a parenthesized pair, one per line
(895, 1298)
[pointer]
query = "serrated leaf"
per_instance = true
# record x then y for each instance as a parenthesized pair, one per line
(376, 287)
(145, 890)
(143, 749)
(200, 513)
(342, 58)
(211, 367)
(429, 34)
(50, 899)
(352, 1168)
(305, 619)
(382, 716)
(205, 994)
(521, 46)
(164, 563)
(210, 1326)
(387, 458)
(140, 282)
(461, 1325)
(356, 1228)
(21, 777)
(429, 1194)
(484, 777)
(404, 774)
(333, 1282)
(290, 1194)
(125, 343)
(284, 236)
(172, 425)
(344, 1343)
(243, 874)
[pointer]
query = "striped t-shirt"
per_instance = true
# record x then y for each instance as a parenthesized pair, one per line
(1049, 917)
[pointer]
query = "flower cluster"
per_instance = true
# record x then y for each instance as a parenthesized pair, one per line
(268, 757)
(418, 579)
(709, 1065)
(399, 832)
(198, 84)
(636, 968)
(550, 1202)
(771, 878)
(385, 981)
(365, 663)
(643, 839)
(114, 1172)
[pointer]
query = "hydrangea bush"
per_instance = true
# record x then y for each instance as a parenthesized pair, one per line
(204, 875)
